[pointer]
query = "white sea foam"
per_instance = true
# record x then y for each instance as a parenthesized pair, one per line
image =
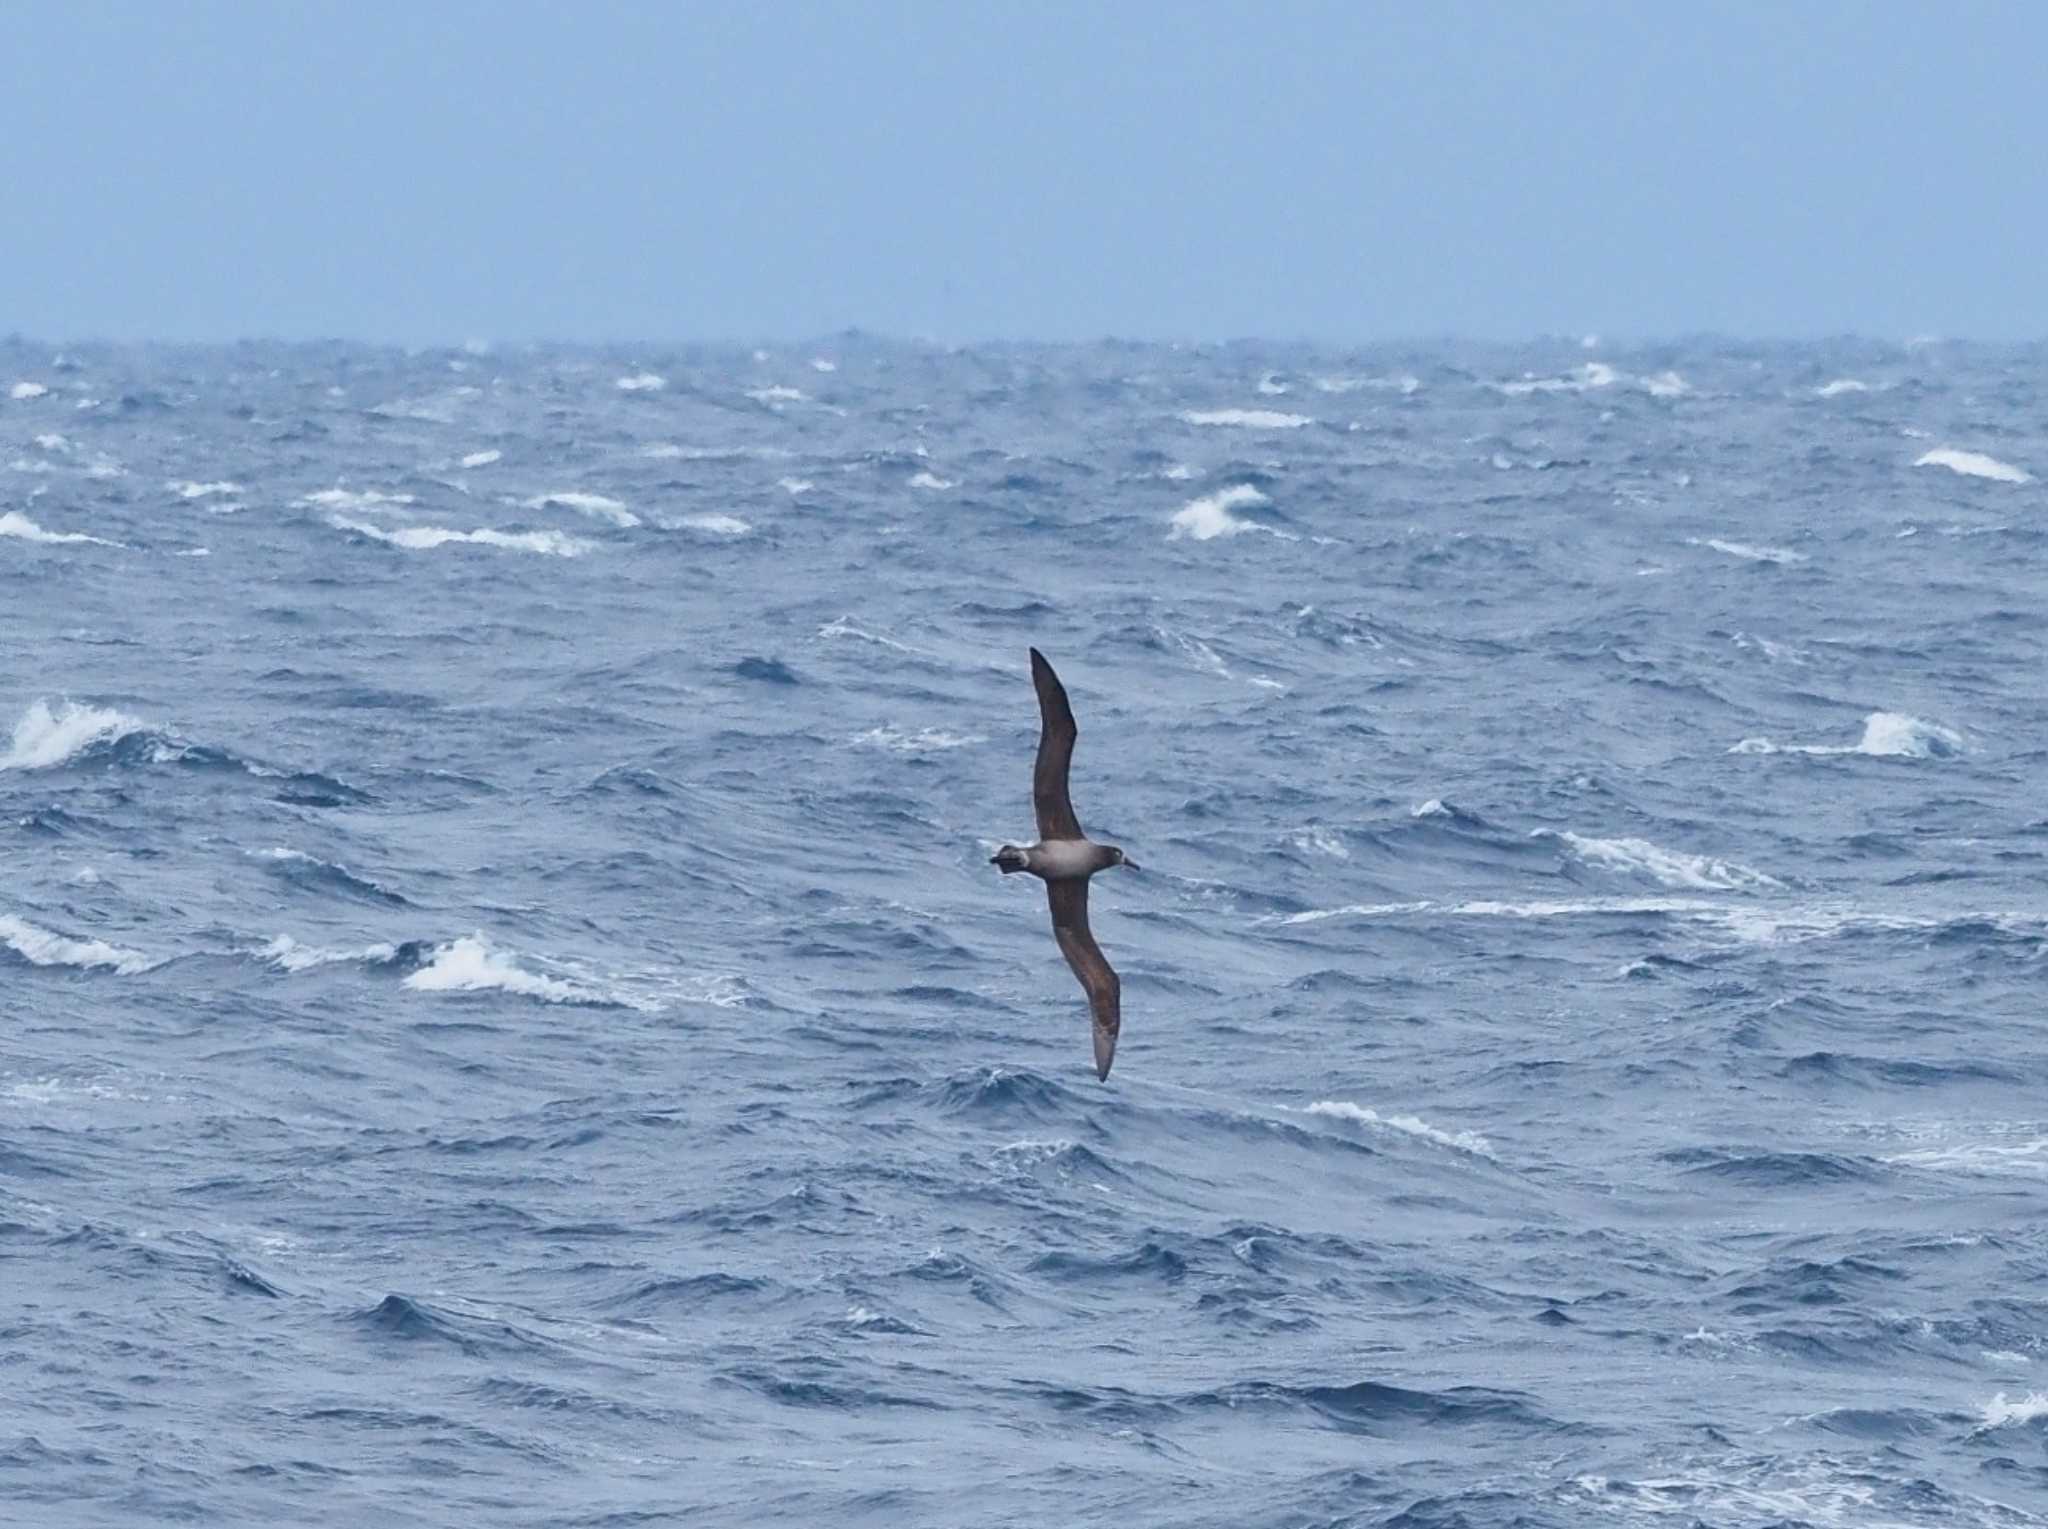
(193, 552)
(931, 480)
(1180, 472)
(844, 627)
(795, 485)
(52, 442)
(470, 965)
(669, 451)
(820, 364)
(1271, 386)
(1886, 735)
(597, 506)
(641, 382)
(186, 490)
(420, 538)
(1210, 516)
(1998, 1412)
(1594, 374)
(1671, 868)
(1462, 1141)
(19, 526)
(776, 394)
(22, 392)
(1358, 910)
(1973, 464)
(1990, 1157)
(39, 947)
(718, 525)
(287, 954)
(1748, 552)
(1247, 419)
(1403, 383)
(1433, 808)
(924, 741)
(482, 458)
(352, 499)
(1776, 652)
(1841, 385)
(1319, 840)
(43, 737)
(1667, 385)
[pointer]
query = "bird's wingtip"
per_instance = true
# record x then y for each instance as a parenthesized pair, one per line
(1105, 1053)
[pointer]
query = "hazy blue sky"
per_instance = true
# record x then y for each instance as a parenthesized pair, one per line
(436, 170)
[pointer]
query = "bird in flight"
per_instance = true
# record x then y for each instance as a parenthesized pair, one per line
(1064, 858)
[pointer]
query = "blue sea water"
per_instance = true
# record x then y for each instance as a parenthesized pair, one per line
(506, 1018)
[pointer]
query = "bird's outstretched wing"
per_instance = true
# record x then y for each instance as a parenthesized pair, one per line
(1069, 900)
(1056, 735)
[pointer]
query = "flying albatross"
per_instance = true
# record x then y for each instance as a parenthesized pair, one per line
(1064, 858)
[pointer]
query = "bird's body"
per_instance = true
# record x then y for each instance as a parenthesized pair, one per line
(1064, 858)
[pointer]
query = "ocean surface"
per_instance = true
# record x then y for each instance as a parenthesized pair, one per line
(506, 1017)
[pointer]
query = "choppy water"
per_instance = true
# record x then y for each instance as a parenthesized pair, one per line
(505, 1016)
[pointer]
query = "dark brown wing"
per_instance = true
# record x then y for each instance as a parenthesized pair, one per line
(1069, 901)
(1056, 734)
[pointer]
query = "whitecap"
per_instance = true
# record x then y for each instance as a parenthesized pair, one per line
(1990, 1157)
(43, 737)
(470, 965)
(352, 499)
(1404, 383)
(22, 392)
(924, 740)
(1247, 419)
(1271, 386)
(1774, 651)
(193, 552)
(718, 525)
(1433, 808)
(775, 395)
(287, 954)
(1320, 840)
(1180, 472)
(820, 364)
(641, 382)
(186, 490)
(1210, 516)
(52, 442)
(1671, 868)
(1594, 374)
(931, 480)
(1841, 385)
(844, 627)
(597, 506)
(1973, 464)
(669, 451)
(420, 538)
(19, 526)
(1357, 910)
(795, 485)
(1462, 1141)
(39, 947)
(482, 458)
(1749, 553)
(1998, 1412)
(1886, 735)
(1667, 385)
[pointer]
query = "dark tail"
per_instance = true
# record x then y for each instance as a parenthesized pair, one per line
(1010, 858)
